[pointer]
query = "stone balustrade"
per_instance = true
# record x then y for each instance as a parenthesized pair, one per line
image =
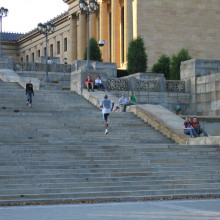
(149, 85)
(39, 67)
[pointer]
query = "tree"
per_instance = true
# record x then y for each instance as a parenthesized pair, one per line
(162, 66)
(95, 52)
(183, 55)
(137, 57)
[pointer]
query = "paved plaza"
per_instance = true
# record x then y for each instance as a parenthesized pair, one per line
(165, 210)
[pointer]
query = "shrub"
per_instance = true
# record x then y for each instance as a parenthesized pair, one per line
(95, 52)
(137, 57)
(176, 60)
(162, 66)
(121, 73)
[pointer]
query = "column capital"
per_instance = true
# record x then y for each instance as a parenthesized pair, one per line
(72, 17)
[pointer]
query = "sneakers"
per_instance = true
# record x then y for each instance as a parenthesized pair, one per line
(27, 103)
(106, 131)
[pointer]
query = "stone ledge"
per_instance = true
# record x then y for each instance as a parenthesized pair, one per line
(154, 115)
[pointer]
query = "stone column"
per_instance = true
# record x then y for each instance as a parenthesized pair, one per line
(128, 22)
(81, 41)
(104, 28)
(92, 26)
(116, 19)
(72, 50)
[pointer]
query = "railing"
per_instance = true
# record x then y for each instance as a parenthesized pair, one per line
(40, 67)
(117, 84)
(150, 85)
(175, 86)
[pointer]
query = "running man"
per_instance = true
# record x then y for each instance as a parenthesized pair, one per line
(29, 92)
(107, 106)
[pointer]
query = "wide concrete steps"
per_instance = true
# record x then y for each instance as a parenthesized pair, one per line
(56, 151)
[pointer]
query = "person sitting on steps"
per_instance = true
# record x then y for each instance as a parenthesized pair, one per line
(197, 127)
(121, 102)
(188, 129)
(131, 101)
(89, 83)
(99, 84)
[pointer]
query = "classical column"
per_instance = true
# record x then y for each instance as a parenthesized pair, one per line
(128, 22)
(104, 28)
(72, 50)
(92, 26)
(116, 19)
(81, 39)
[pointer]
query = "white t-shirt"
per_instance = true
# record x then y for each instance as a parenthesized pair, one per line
(106, 105)
(98, 81)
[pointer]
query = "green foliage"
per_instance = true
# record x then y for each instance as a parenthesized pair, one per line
(95, 52)
(121, 73)
(176, 60)
(137, 57)
(162, 66)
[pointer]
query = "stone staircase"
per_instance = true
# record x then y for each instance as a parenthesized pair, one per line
(57, 152)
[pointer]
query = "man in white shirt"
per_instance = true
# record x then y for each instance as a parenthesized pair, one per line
(121, 102)
(99, 84)
(107, 107)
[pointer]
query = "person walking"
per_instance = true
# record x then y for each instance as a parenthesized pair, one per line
(107, 106)
(29, 93)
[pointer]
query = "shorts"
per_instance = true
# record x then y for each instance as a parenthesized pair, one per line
(105, 116)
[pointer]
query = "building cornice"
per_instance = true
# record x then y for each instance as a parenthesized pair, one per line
(57, 20)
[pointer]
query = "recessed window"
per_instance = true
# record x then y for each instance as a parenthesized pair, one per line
(51, 50)
(65, 44)
(33, 57)
(27, 58)
(58, 47)
(38, 52)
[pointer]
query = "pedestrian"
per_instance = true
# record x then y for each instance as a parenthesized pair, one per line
(107, 106)
(199, 130)
(29, 92)
(131, 101)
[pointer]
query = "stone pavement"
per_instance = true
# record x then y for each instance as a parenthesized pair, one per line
(155, 210)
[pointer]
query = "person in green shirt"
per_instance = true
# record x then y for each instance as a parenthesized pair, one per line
(131, 101)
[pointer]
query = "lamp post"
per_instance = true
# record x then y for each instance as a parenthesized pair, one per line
(3, 13)
(46, 29)
(88, 9)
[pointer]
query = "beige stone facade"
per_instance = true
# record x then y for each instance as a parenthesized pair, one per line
(166, 26)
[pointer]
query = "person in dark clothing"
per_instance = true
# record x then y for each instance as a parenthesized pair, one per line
(29, 92)
(199, 130)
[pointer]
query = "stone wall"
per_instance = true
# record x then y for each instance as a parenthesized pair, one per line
(204, 75)
(165, 99)
(169, 25)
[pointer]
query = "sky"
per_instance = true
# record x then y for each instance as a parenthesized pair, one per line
(25, 15)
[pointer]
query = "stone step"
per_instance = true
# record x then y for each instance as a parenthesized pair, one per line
(108, 196)
(104, 189)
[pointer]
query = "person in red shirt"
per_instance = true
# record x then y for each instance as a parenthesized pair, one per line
(197, 127)
(89, 83)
